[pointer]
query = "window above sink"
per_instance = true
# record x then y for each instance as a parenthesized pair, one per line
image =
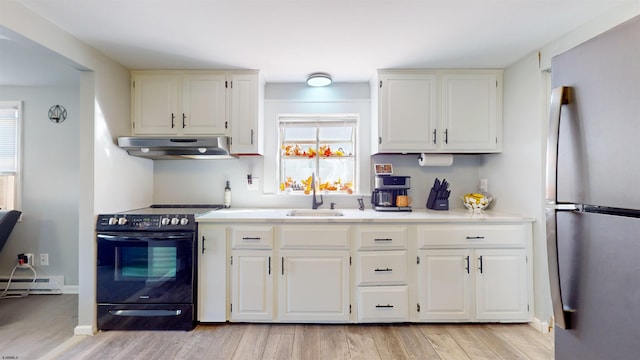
(320, 144)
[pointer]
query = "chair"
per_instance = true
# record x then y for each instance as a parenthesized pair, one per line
(8, 219)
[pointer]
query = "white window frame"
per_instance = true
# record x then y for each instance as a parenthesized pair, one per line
(17, 172)
(320, 120)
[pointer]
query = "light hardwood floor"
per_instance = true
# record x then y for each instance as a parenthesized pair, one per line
(283, 341)
(35, 326)
(32, 326)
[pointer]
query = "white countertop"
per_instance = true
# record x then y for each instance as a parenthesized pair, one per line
(355, 216)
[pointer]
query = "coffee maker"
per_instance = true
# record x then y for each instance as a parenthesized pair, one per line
(386, 190)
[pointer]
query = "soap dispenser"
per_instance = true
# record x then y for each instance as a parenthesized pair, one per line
(227, 196)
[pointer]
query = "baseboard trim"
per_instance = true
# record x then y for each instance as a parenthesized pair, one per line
(43, 285)
(84, 330)
(542, 326)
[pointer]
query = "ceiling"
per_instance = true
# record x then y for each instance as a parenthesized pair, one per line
(289, 39)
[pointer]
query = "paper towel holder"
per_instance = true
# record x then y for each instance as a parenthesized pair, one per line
(435, 159)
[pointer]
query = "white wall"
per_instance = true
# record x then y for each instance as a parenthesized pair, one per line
(109, 180)
(50, 164)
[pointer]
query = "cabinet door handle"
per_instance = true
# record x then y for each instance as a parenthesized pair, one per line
(251, 238)
(203, 239)
(184, 125)
(173, 117)
(467, 267)
(475, 237)
(384, 306)
(446, 136)
(251, 136)
(387, 269)
(383, 239)
(269, 270)
(282, 266)
(435, 131)
(480, 268)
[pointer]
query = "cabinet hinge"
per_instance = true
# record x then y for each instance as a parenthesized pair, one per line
(349, 308)
(134, 84)
(230, 307)
(527, 307)
(226, 126)
(496, 83)
(232, 260)
(526, 259)
(496, 139)
(418, 260)
(380, 84)
(418, 307)
(226, 84)
(379, 139)
(349, 260)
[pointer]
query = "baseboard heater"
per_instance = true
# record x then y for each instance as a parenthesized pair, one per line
(44, 285)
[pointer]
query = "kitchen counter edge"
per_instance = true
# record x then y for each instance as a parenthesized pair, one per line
(357, 216)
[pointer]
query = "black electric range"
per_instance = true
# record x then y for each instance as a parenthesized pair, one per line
(147, 268)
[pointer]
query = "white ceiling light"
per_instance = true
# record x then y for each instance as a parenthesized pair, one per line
(319, 79)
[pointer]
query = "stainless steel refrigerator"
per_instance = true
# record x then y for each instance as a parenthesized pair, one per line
(593, 197)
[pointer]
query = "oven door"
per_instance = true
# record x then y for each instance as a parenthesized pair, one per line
(145, 268)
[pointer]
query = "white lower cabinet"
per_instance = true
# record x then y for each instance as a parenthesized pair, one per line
(251, 273)
(383, 303)
(381, 273)
(314, 286)
(474, 273)
(251, 286)
(501, 284)
(212, 273)
(445, 291)
(453, 272)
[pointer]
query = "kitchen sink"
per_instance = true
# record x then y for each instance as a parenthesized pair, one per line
(317, 213)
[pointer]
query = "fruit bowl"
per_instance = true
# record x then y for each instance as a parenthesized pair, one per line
(476, 202)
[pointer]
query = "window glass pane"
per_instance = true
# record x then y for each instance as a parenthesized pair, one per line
(320, 145)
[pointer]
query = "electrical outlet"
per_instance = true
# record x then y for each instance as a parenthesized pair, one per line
(44, 259)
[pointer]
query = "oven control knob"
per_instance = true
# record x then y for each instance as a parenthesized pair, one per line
(175, 221)
(122, 221)
(184, 221)
(165, 221)
(113, 221)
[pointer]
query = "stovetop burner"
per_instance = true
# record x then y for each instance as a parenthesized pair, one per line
(177, 209)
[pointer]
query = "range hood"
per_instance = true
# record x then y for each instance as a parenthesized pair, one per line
(171, 148)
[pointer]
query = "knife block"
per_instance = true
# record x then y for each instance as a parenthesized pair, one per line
(436, 204)
(441, 204)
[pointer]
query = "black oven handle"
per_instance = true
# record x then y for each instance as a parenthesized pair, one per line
(144, 237)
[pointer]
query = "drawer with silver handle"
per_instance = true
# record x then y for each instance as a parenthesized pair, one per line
(381, 268)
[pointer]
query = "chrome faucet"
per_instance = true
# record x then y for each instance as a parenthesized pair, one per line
(314, 203)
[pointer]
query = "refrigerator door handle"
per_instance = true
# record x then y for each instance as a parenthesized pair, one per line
(561, 312)
(559, 97)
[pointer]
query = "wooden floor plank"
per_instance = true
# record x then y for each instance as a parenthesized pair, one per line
(472, 345)
(252, 343)
(361, 343)
(503, 349)
(333, 342)
(416, 344)
(524, 344)
(443, 343)
(388, 343)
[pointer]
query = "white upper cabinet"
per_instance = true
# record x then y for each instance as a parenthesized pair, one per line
(447, 111)
(407, 112)
(203, 104)
(246, 114)
(155, 104)
(200, 102)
